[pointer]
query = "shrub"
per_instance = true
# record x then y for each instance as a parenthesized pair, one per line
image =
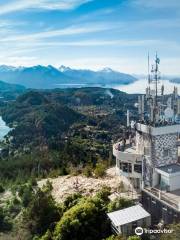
(33, 182)
(1, 189)
(119, 203)
(104, 193)
(87, 171)
(113, 237)
(175, 232)
(80, 222)
(100, 170)
(5, 224)
(134, 238)
(71, 201)
(42, 212)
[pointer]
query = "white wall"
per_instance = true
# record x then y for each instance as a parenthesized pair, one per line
(174, 182)
(165, 181)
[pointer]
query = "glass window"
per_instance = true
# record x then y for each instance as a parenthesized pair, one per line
(137, 168)
(126, 167)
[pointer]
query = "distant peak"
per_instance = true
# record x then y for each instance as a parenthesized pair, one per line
(50, 67)
(6, 68)
(107, 70)
(63, 68)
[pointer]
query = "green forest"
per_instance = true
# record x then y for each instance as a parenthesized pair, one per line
(55, 132)
(61, 132)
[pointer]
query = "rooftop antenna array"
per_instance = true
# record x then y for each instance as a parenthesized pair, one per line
(158, 110)
(152, 92)
(141, 106)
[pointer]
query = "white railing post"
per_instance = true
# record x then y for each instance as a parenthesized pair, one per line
(159, 194)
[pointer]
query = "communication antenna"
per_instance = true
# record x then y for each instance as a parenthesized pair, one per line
(128, 122)
(141, 106)
(149, 78)
(178, 106)
(162, 90)
(156, 71)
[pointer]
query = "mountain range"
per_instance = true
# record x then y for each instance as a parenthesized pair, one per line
(175, 80)
(44, 77)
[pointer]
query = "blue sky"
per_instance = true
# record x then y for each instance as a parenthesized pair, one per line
(91, 33)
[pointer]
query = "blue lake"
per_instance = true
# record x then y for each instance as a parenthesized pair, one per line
(4, 129)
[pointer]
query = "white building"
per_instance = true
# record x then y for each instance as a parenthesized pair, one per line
(125, 221)
(149, 158)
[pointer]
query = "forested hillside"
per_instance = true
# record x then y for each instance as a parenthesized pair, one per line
(54, 133)
(57, 131)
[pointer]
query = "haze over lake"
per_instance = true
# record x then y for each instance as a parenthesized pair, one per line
(140, 85)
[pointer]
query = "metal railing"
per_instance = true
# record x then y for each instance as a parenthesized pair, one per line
(126, 155)
(162, 196)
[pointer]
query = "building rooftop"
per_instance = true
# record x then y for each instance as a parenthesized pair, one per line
(128, 148)
(172, 168)
(128, 215)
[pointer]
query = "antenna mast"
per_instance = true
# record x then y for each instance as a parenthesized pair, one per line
(156, 78)
(149, 79)
(152, 91)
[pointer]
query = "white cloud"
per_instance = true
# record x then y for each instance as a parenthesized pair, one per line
(61, 4)
(94, 43)
(73, 30)
(19, 5)
(19, 61)
(156, 4)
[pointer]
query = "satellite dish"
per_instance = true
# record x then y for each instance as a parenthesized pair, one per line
(168, 113)
(133, 124)
(136, 105)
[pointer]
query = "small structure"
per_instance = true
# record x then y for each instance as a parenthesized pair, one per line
(169, 177)
(126, 220)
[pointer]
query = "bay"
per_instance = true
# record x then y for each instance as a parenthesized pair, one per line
(4, 129)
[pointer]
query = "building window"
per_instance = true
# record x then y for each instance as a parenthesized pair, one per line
(137, 168)
(167, 152)
(126, 167)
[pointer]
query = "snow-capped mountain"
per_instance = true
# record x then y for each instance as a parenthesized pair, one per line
(104, 76)
(50, 77)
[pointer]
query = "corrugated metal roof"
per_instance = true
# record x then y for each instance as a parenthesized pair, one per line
(128, 215)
